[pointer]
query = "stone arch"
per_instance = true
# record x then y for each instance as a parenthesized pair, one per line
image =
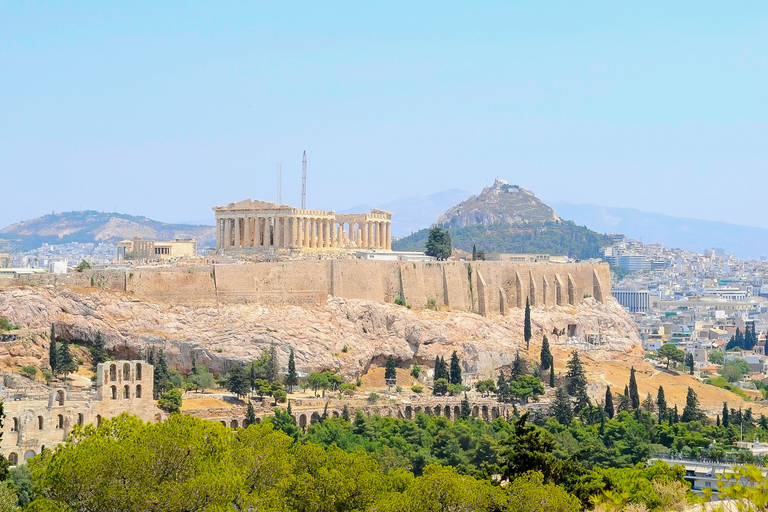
(60, 396)
(303, 420)
(15, 426)
(138, 390)
(335, 414)
(408, 412)
(28, 455)
(13, 458)
(258, 420)
(314, 418)
(113, 372)
(485, 412)
(224, 423)
(60, 421)
(428, 410)
(126, 371)
(417, 410)
(494, 413)
(138, 371)
(126, 392)
(437, 410)
(113, 392)
(80, 419)
(233, 424)
(39, 423)
(448, 411)
(456, 412)
(476, 411)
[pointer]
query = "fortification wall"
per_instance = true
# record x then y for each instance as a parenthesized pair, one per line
(105, 279)
(192, 286)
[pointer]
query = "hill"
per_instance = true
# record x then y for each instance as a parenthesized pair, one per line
(93, 227)
(507, 218)
(684, 233)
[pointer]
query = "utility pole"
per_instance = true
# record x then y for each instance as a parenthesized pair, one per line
(304, 181)
(279, 183)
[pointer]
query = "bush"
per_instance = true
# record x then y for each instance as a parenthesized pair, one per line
(373, 397)
(29, 371)
(432, 304)
(399, 301)
(345, 349)
(398, 389)
(417, 388)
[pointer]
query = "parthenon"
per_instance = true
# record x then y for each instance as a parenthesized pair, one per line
(252, 225)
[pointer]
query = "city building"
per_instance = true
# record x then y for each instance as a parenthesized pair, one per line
(634, 300)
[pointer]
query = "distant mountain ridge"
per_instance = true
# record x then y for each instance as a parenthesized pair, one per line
(90, 226)
(508, 218)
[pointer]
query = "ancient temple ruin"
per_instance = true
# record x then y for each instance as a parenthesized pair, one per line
(254, 225)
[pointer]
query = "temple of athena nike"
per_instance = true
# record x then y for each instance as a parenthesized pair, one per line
(254, 225)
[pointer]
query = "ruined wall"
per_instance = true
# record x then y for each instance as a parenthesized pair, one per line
(193, 286)
(105, 279)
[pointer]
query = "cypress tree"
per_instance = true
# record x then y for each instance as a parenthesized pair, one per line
(151, 356)
(626, 391)
(273, 366)
(502, 387)
(252, 377)
(390, 372)
(455, 369)
(466, 412)
(675, 415)
(54, 361)
(437, 368)
(474, 252)
(67, 363)
(443, 369)
(546, 355)
(250, 415)
(98, 352)
(194, 364)
(661, 403)
(689, 362)
(518, 367)
(726, 417)
(561, 407)
(608, 402)
(634, 396)
(717, 421)
(692, 411)
(552, 376)
(345, 413)
(527, 324)
(575, 378)
(160, 375)
(292, 378)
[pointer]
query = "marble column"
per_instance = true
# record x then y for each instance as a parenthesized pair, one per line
(327, 234)
(364, 230)
(388, 236)
(311, 233)
(227, 232)
(320, 233)
(334, 235)
(218, 233)
(370, 235)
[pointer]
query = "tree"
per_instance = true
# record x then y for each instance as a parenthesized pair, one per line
(485, 387)
(415, 370)
(608, 407)
(671, 353)
(250, 415)
(634, 396)
(466, 412)
(390, 373)
(439, 244)
(273, 366)
(53, 352)
(474, 252)
(455, 369)
(527, 324)
(726, 418)
(575, 378)
(648, 404)
(692, 411)
(562, 409)
(440, 387)
(525, 387)
(546, 354)
(661, 403)
(735, 370)
(67, 363)
(518, 367)
(746, 487)
(689, 361)
(716, 356)
(317, 381)
(238, 381)
(280, 396)
(552, 375)
(98, 352)
(170, 401)
(161, 379)
(292, 378)
(502, 387)
(202, 379)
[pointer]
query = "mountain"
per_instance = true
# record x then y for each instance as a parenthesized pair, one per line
(92, 227)
(689, 234)
(411, 214)
(507, 218)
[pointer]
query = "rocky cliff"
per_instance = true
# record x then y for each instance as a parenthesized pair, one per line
(219, 336)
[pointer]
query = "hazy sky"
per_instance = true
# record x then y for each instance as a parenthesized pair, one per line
(166, 110)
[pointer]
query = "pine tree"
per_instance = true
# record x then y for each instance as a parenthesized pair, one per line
(194, 364)
(692, 411)
(518, 367)
(675, 416)
(345, 413)
(608, 408)
(648, 405)
(634, 396)
(726, 417)
(67, 363)
(273, 366)
(546, 354)
(661, 403)
(292, 378)
(575, 378)
(98, 352)
(561, 407)
(161, 375)
(250, 415)
(552, 376)
(53, 353)
(466, 412)
(527, 324)
(455, 369)
(390, 372)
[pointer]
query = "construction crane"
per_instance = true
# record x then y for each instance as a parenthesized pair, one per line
(304, 181)
(10, 246)
(279, 183)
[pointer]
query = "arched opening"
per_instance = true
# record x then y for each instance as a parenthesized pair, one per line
(456, 412)
(80, 419)
(113, 393)
(335, 414)
(138, 371)
(39, 423)
(126, 392)
(126, 371)
(15, 426)
(476, 411)
(13, 458)
(258, 420)
(60, 421)
(224, 423)
(113, 372)
(98, 420)
(233, 424)
(28, 455)
(60, 397)
(448, 411)
(485, 412)
(158, 418)
(408, 412)
(315, 418)
(428, 410)
(494, 413)
(138, 391)
(303, 421)
(438, 410)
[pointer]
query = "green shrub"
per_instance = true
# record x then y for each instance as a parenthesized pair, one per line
(373, 397)
(399, 301)
(29, 371)
(417, 388)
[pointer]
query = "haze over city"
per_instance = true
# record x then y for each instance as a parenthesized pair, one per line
(167, 110)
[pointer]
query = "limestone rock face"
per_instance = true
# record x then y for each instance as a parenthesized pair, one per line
(500, 204)
(221, 336)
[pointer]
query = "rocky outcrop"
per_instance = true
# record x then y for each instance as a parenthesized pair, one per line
(346, 334)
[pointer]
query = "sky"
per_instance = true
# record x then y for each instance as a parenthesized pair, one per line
(166, 109)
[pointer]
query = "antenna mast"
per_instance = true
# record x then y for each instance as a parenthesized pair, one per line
(279, 183)
(304, 181)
